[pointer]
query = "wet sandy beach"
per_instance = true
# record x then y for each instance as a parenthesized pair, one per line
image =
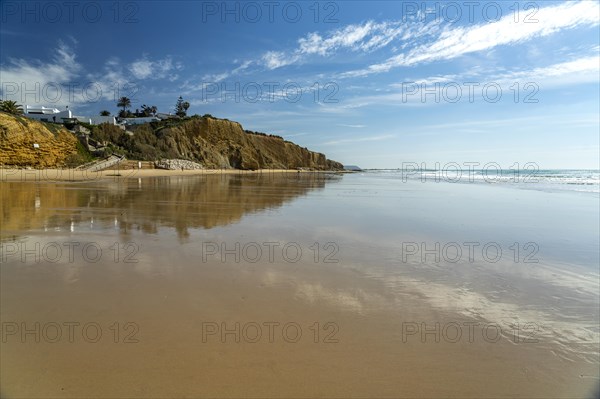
(287, 285)
(56, 175)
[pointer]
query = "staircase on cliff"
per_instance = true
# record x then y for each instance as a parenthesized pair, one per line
(102, 164)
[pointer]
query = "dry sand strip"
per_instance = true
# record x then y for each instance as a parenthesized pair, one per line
(40, 175)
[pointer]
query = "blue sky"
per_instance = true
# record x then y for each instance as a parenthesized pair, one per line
(370, 83)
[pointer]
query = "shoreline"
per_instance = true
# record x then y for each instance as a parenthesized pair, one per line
(64, 175)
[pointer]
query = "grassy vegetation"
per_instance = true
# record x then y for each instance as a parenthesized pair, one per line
(20, 118)
(263, 134)
(145, 144)
(167, 123)
(149, 142)
(83, 152)
(53, 127)
(81, 157)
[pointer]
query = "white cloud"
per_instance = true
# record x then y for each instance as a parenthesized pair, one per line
(454, 42)
(158, 69)
(242, 67)
(218, 77)
(62, 67)
(425, 42)
(62, 80)
(368, 36)
(117, 79)
(353, 126)
(141, 69)
(213, 78)
(580, 70)
(365, 37)
(276, 59)
(585, 67)
(583, 70)
(42, 78)
(360, 139)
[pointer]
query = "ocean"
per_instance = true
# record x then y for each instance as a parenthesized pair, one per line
(587, 181)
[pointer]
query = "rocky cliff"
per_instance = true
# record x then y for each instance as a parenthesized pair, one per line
(19, 134)
(214, 143)
(220, 143)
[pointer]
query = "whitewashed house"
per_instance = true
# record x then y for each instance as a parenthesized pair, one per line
(139, 121)
(163, 116)
(97, 120)
(46, 114)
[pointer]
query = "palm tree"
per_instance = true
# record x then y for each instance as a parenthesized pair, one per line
(11, 107)
(104, 113)
(124, 103)
(149, 110)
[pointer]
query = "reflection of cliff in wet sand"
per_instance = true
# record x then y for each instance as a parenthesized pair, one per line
(147, 204)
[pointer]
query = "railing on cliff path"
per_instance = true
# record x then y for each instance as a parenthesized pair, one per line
(102, 164)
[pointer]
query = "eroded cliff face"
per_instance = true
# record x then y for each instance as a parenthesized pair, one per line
(18, 135)
(219, 143)
(214, 143)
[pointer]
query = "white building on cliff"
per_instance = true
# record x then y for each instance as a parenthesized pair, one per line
(46, 114)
